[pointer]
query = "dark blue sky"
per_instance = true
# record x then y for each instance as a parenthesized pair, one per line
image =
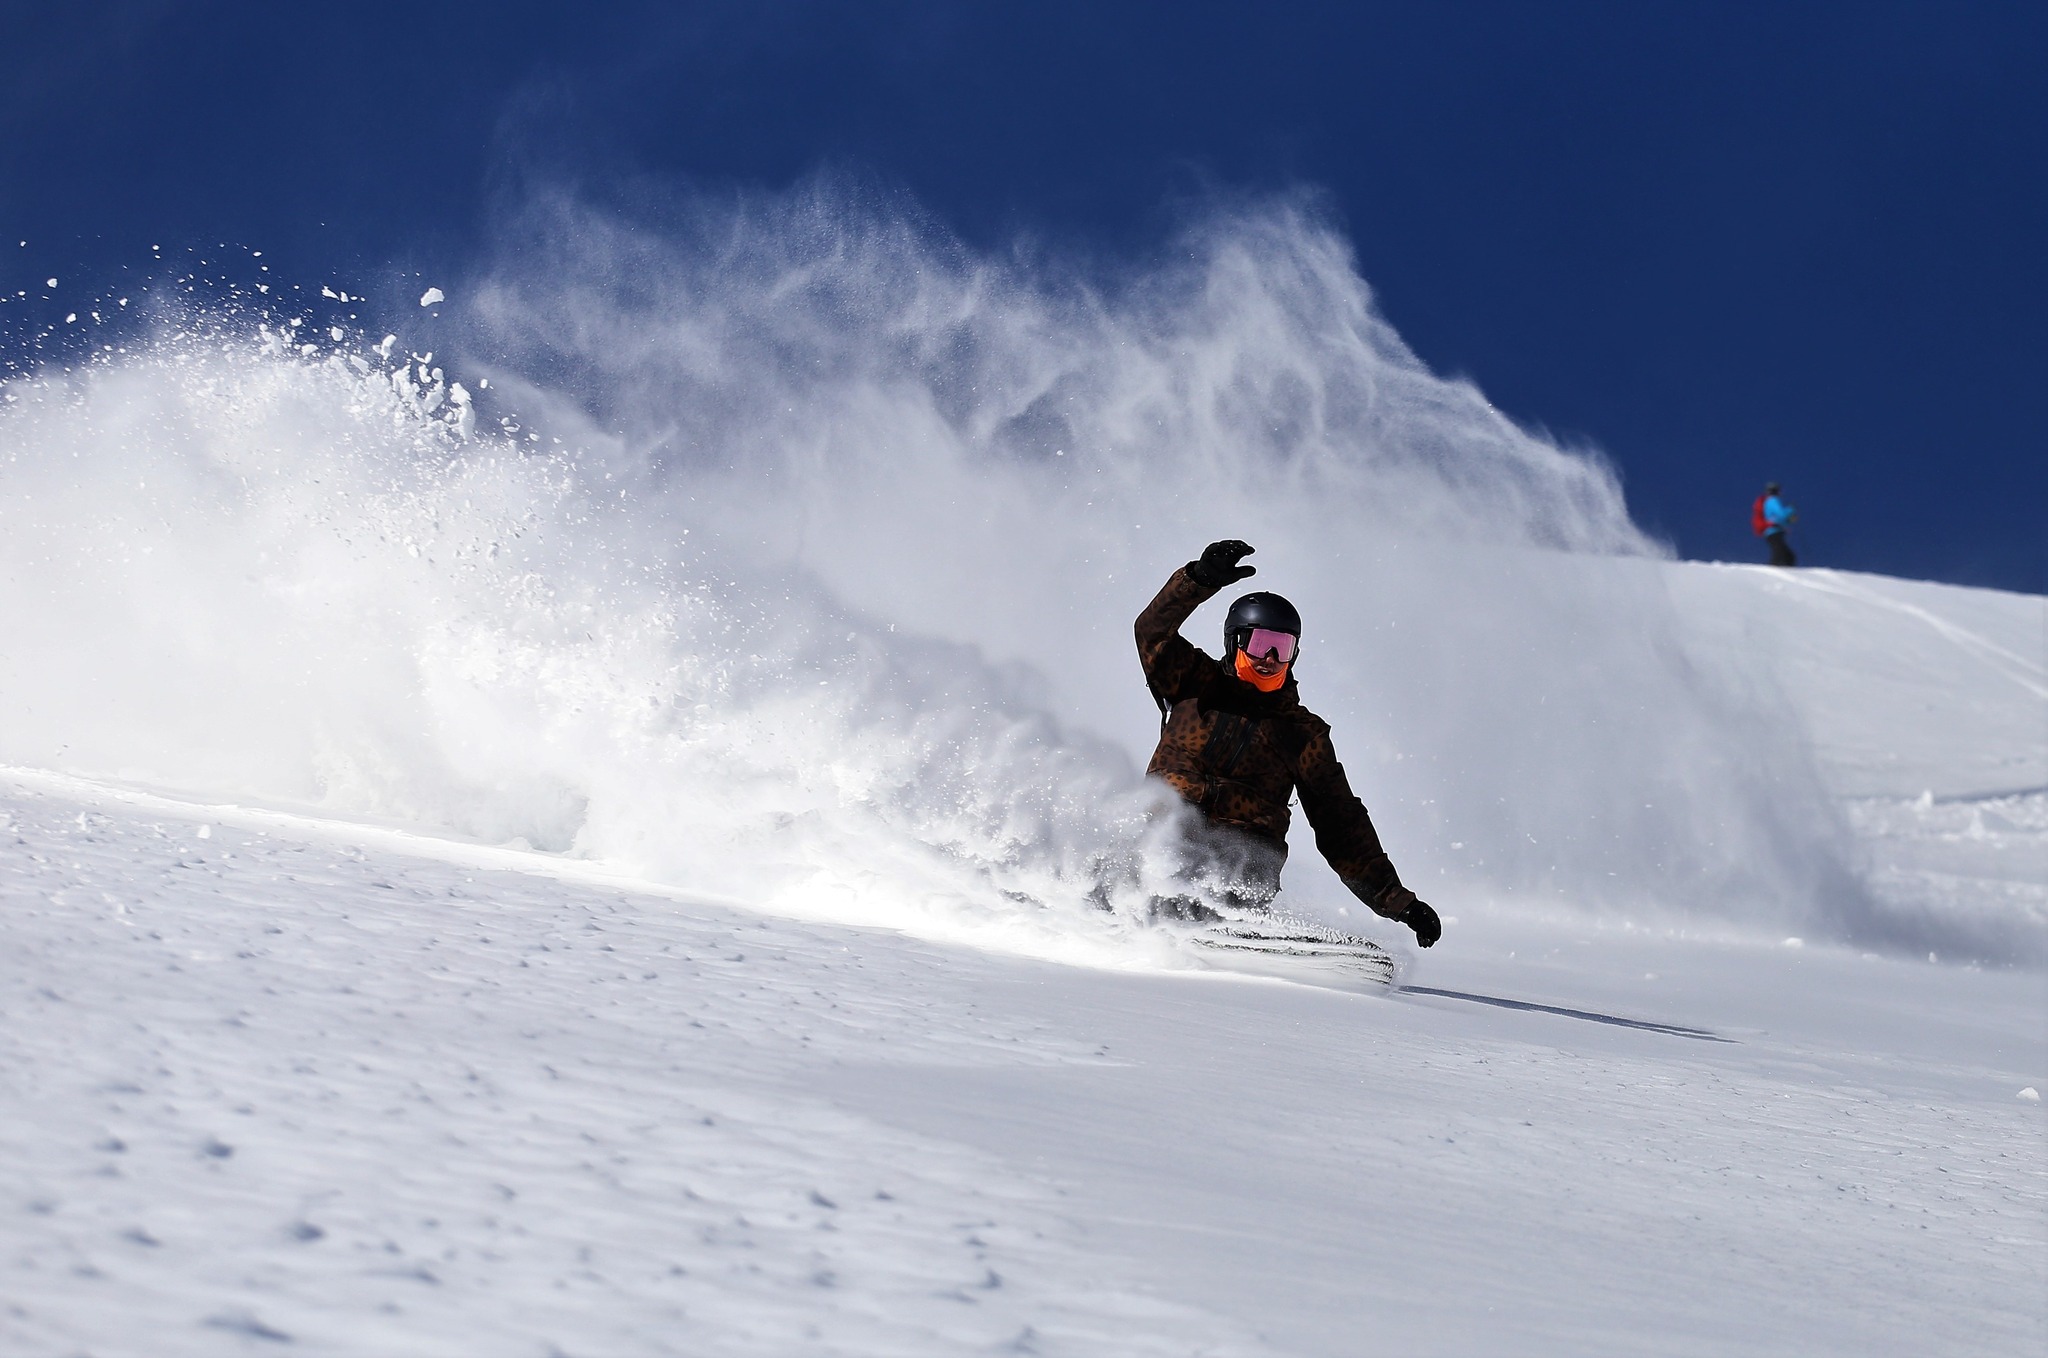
(1721, 242)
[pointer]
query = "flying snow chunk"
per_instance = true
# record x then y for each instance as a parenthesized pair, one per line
(2031, 1094)
(427, 298)
(49, 282)
(328, 292)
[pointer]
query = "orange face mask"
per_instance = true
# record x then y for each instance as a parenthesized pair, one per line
(1264, 683)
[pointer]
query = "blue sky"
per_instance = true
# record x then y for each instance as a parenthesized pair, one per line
(1720, 242)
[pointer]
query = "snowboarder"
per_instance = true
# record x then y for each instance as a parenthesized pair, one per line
(1769, 517)
(1236, 742)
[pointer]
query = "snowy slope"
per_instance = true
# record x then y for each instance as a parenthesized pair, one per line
(295, 1082)
(278, 1081)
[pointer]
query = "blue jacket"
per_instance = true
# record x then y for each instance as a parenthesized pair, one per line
(1777, 513)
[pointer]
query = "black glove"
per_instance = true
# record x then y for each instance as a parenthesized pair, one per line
(1428, 928)
(1218, 566)
(1397, 902)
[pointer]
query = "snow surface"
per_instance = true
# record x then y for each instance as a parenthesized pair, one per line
(281, 1081)
(654, 860)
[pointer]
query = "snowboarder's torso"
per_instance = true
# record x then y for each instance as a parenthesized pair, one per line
(1233, 751)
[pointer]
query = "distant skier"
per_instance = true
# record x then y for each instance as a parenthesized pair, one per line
(1237, 743)
(1769, 517)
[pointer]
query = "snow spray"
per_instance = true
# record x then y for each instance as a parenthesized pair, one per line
(786, 547)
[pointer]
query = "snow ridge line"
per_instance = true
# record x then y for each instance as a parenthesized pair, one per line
(462, 853)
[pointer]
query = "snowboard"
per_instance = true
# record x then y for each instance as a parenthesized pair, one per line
(1294, 950)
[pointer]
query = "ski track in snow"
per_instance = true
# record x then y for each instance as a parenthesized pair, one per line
(284, 1086)
(1953, 702)
(2028, 674)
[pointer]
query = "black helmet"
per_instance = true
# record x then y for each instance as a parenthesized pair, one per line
(1269, 611)
(1770, 488)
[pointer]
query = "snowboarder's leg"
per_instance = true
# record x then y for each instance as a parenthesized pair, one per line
(1229, 874)
(1186, 909)
(1781, 550)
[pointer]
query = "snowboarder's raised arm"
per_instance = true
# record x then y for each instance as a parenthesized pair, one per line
(1171, 662)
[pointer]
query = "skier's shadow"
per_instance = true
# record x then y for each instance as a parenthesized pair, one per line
(1675, 1030)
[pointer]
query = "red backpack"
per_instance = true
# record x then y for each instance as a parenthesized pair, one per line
(1758, 524)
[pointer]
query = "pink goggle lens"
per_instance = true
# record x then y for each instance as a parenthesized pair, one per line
(1263, 643)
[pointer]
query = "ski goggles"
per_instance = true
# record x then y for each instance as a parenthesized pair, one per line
(1264, 644)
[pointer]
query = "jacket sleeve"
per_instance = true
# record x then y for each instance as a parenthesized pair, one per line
(1172, 665)
(1344, 831)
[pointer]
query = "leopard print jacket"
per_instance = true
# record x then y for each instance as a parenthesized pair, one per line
(1240, 755)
